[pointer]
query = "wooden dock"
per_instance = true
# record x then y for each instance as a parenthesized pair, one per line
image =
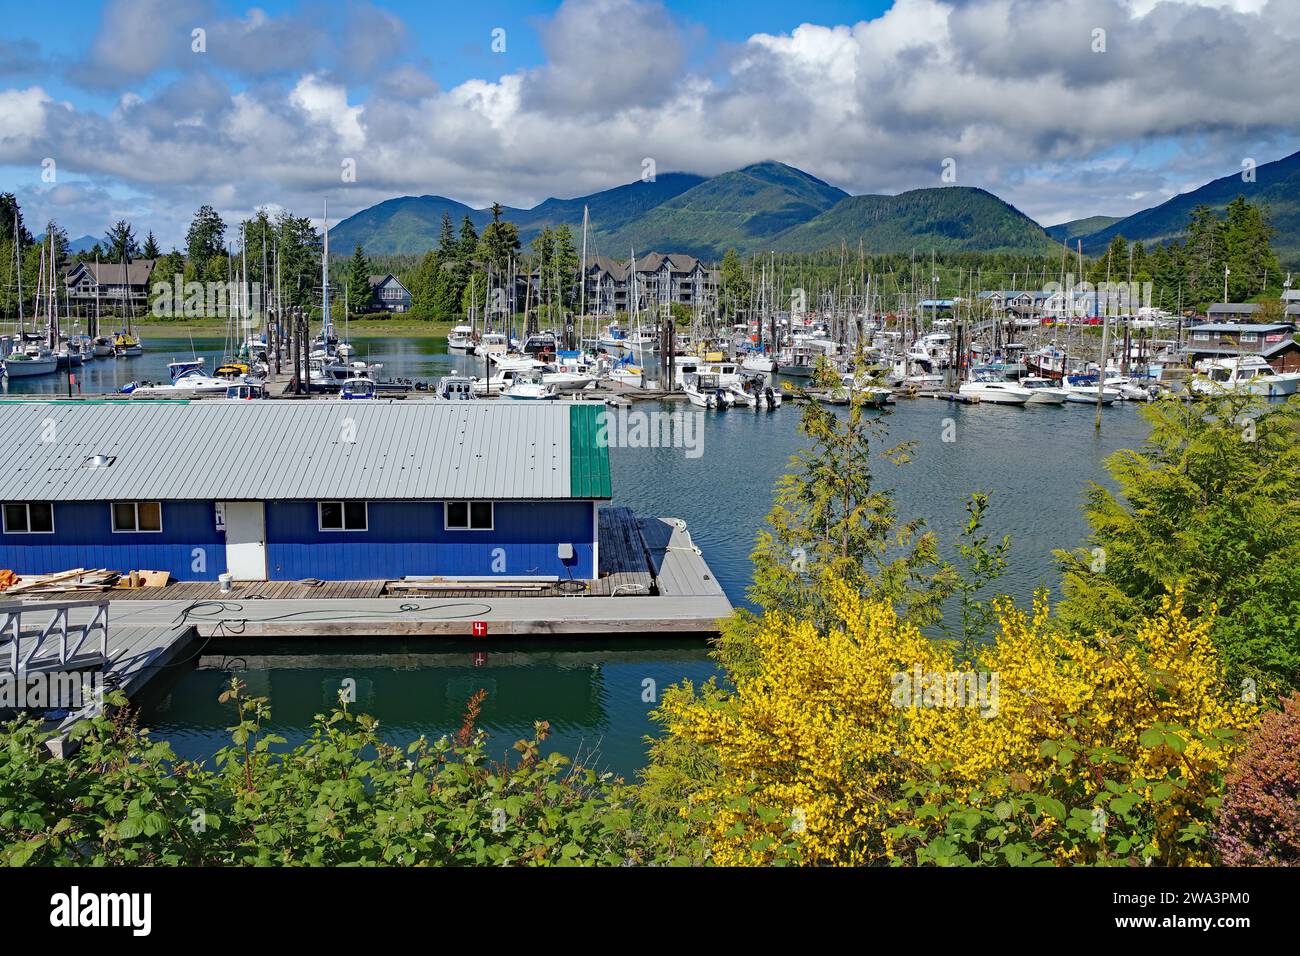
(128, 657)
(654, 580)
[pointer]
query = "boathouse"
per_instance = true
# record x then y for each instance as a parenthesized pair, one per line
(289, 490)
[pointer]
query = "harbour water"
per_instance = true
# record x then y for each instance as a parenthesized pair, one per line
(1035, 462)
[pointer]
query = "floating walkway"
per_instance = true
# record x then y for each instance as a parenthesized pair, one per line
(75, 638)
(654, 581)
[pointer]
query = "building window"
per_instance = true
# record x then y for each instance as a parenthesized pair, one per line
(34, 517)
(1249, 337)
(467, 515)
(137, 516)
(342, 515)
(1200, 336)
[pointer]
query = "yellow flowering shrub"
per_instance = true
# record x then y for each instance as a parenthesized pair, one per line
(822, 745)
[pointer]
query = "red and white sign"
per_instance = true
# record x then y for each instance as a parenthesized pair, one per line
(479, 628)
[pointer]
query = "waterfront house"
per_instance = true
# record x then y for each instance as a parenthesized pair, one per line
(1246, 311)
(387, 294)
(292, 490)
(110, 282)
(1273, 342)
(661, 279)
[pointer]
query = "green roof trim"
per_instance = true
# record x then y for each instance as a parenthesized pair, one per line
(588, 453)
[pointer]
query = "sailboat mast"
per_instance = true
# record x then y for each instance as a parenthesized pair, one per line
(325, 273)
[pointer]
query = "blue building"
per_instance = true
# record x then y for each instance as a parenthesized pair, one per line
(282, 490)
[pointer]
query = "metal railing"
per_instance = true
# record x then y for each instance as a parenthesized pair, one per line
(25, 644)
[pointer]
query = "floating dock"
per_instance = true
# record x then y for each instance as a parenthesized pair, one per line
(75, 638)
(654, 581)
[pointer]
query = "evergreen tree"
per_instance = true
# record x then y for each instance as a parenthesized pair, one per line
(205, 238)
(735, 289)
(150, 248)
(9, 212)
(120, 243)
(424, 286)
(359, 293)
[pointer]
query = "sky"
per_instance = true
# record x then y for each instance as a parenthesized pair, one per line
(147, 109)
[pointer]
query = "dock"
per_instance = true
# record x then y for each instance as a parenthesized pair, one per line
(654, 580)
(77, 639)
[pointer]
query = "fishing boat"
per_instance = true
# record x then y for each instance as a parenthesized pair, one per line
(1082, 389)
(1043, 390)
(987, 388)
(30, 361)
(456, 388)
(528, 386)
(246, 391)
(758, 361)
(460, 339)
(357, 388)
(1244, 374)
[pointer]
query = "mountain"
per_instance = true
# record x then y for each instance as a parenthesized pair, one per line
(1078, 228)
(945, 218)
(767, 205)
(1276, 183)
(83, 244)
(744, 208)
(410, 225)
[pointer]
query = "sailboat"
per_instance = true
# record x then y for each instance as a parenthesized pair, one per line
(35, 358)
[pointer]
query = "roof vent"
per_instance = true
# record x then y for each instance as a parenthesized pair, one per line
(99, 461)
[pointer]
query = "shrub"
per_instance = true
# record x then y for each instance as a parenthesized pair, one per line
(1260, 821)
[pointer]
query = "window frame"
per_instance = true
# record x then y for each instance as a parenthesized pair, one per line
(469, 504)
(343, 516)
(27, 510)
(135, 510)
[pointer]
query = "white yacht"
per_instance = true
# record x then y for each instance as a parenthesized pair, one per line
(529, 386)
(461, 339)
(704, 390)
(1043, 391)
(1248, 374)
(1083, 389)
(33, 360)
(988, 389)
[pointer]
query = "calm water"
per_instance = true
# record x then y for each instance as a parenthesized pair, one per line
(1035, 462)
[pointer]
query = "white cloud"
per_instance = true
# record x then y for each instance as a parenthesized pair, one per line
(1010, 89)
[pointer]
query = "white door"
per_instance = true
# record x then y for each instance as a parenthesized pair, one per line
(245, 540)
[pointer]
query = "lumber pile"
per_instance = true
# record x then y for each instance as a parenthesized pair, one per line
(87, 581)
(78, 579)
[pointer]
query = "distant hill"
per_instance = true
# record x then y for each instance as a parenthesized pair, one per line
(1276, 183)
(411, 224)
(83, 244)
(744, 208)
(946, 219)
(768, 205)
(1078, 228)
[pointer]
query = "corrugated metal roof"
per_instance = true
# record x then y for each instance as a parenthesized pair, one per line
(589, 456)
(231, 451)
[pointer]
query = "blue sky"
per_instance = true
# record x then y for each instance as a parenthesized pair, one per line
(872, 96)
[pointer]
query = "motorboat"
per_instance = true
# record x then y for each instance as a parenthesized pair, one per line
(456, 388)
(528, 385)
(186, 384)
(1043, 390)
(102, 346)
(1243, 374)
(460, 339)
(705, 390)
(84, 346)
(1083, 389)
(246, 391)
(491, 344)
(988, 389)
(177, 368)
(357, 388)
(754, 391)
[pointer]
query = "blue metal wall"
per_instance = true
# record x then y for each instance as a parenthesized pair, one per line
(407, 538)
(84, 538)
